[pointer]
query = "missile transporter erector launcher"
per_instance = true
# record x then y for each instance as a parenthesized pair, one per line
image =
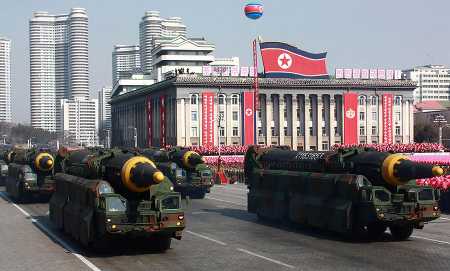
(30, 174)
(102, 194)
(351, 191)
(4, 165)
(187, 169)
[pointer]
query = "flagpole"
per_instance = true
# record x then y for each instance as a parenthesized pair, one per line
(256, 90)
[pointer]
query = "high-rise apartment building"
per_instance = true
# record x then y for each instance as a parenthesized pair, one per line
(433, 82)
(151, 28)
(104, 109)
(58, 64)
(80, 121)
(126, 60)
(5, 80)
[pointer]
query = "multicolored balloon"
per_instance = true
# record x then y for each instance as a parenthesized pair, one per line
(253, 10)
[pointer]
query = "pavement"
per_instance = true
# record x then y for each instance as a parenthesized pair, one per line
(220, 235)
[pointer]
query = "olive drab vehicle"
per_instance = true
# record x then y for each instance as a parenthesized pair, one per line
(351, 191)
(102, 194)
(4, 165)
(187, 169)
(30, 174)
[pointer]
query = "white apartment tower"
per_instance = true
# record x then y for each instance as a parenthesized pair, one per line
(433, 82)
(152, 27)
(5, 80)
(104, 109)
(58, 64)
(126, 60)
(80, 121)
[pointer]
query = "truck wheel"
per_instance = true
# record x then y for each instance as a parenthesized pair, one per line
(375, 230)
(401, 233)
(163, 243)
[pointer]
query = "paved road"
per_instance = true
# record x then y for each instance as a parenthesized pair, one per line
(221, 235)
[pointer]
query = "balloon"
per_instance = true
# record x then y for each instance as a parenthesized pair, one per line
(253, 10)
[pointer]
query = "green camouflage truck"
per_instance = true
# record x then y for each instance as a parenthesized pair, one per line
(352, 191)
(187, 169)
(106, 194)
(30, 174)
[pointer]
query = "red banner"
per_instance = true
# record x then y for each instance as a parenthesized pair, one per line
(149, 122)
(208, 119)
(350, 118)
(387, 118)
(249, 118)
(162, 118)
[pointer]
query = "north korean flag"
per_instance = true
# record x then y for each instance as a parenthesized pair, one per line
(283, 60)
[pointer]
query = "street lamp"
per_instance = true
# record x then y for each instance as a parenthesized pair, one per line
(4, 139)
(134, 136)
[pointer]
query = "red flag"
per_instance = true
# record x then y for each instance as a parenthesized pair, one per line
(283, 60)
(162, 118)
(149, 121)
(249, 118)
(208, 119)
(350, 118)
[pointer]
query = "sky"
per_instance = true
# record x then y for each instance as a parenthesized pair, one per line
(355, 33)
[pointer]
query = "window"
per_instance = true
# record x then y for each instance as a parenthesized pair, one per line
(362, 100)
(194, 131)
(298, 131)
(221, 99)
(336, 131)
(260, 132)
(310, 113)
(374, 116)
(325, 146)
(221, 115)
(362, 130)
(324, 131)
(298, 113)
(234, 99)
(374, 130)
(397, 100)
(285, 113)
(374, 100)
(311, 131)
(285, 130)
(397, 130)
(235, 116)
(272, 131)
(361, 116)
(397, 116)
(194, 98)
(221, 131)
(235, 131)
(194, 115)
(323, 112)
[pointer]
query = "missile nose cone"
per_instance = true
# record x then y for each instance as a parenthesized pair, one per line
(158, 177)
(50, 163)
(437, 171)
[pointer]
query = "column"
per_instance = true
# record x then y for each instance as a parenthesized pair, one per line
(411, 120)
(228, 120)
(187, 127)
(180, 123)
(269, 108)
(319, 122)
(332, 120)
(281, 106)
(405, 121)
(307, 122)
(294, 124)
(379, 108)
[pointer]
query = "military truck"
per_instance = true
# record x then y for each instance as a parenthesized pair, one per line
(187, 169)
(29, 174)
(108, 194)
(351, 191)
(3, 165)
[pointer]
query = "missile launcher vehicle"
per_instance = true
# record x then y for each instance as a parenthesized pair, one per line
(30, 174)
(187, 169)
(3, 165)
(350, 191)
(104, 194)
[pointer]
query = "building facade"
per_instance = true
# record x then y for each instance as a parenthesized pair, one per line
(304, 114)
(153, 27)
(433, 82)
(188, 54)
(58, 64)
(126, 60)
(5, 80)
(104, 109)
(80, 121)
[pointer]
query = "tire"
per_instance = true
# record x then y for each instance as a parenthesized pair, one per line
(375, 230)
(163, 243)
(401, 233)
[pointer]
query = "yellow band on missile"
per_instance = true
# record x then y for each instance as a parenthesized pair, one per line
(185, 158)
(49, 163)
(126, 173)
(388, 168)
(437, 171)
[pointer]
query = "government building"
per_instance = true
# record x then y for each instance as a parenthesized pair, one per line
(306, 114)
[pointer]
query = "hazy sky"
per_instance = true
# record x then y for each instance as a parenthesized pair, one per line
(356, 33)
